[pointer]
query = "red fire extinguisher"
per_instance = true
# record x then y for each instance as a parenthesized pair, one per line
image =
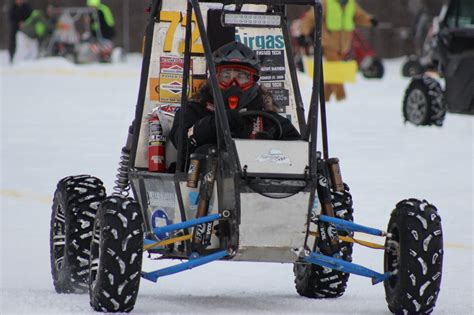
(156, 146)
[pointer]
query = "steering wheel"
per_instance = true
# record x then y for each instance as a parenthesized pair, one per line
(275, 131)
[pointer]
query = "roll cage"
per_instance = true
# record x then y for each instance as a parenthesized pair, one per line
(307, 129)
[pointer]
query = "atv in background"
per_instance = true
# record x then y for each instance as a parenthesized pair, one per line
(73, 37)
(370, 65)
(450, 56)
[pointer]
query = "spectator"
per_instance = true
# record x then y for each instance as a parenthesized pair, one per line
(32, 31)
(340, 17)
(106, 22)
(19, 12)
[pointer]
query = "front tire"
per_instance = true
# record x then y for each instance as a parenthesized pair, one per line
(116, 255)
(424, 102)
(315, 281)
(75, 205)
(375, 70)
(414, 256)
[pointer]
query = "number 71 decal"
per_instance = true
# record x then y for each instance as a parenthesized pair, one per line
(176, 18)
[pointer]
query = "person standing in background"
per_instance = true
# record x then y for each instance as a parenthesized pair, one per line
(340, 17)
(106, 19)
(19, 12)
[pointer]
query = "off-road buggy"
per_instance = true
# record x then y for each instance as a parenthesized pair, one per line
(255, 200)
(448, 54)
(73, 37)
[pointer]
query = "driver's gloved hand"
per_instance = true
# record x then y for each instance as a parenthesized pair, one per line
(236, 123)
(303, 41)
(263, 135)
(374, 21)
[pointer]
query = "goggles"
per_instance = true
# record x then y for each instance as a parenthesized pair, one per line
(242, 76)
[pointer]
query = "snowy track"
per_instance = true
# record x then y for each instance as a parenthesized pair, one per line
(58, 119)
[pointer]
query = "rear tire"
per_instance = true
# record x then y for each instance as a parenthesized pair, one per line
(116, 255)
(75, 205)
(315, 281)
(424, 103)
(415, 252)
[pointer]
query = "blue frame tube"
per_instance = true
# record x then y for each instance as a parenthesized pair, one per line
(349, 226)
(345, 266)
(191, 263)
(186, 224)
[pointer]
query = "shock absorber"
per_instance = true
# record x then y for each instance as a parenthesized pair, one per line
(122, 183)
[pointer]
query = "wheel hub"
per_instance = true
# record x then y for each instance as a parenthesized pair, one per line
(416, 108)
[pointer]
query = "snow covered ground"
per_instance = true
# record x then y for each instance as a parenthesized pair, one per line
(58, 119)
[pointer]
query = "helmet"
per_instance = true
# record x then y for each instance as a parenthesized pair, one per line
(93, 3)
(237, 53)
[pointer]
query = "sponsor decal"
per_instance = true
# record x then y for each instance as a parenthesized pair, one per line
(169, 109)
(273, 64)
(198, 81)
(173, 65)
(281, 98)
(171, 79)
(161, 199)
(154, 86)
(170, 88)
(273, 85)
(193, 200)
(322, 180)
(159, 218)
(260, 41)
(274, 156)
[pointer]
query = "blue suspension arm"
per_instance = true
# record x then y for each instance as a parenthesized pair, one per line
(345, 266)
(350, 226)
(191, 263)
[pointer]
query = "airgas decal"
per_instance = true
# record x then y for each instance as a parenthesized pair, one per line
(261, 41)
(159, 218)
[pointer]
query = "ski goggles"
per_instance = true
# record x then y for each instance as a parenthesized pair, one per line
(229, 75)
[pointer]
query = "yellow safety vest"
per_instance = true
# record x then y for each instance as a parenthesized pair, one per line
(339, 18)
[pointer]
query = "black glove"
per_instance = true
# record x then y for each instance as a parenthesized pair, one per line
(236, 123)
(374, 21)
(264, 135)
(303, 41)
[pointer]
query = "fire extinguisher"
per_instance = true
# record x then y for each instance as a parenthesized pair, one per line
(156, 146)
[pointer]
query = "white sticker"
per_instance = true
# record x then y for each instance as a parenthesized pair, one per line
(274, 156)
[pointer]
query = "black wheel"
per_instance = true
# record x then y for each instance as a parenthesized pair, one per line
(116, 255)
(315, 281)
(376, 69)
(414, 255)
(412, 67)
(75, 205)
(424, 102)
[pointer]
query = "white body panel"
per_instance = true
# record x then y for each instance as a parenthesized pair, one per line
(272, 229)
(271, 156)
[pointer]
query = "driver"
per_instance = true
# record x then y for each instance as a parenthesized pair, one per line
(238, 70)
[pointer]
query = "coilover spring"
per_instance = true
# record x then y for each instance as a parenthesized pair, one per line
(122, 184)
